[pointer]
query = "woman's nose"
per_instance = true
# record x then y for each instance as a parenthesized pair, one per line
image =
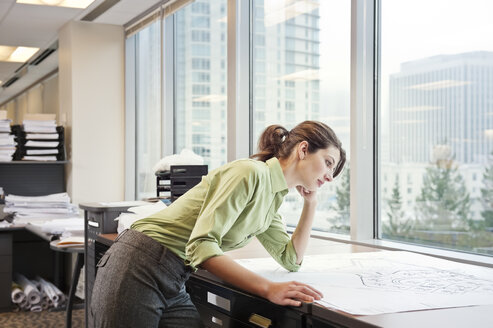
(328, 176)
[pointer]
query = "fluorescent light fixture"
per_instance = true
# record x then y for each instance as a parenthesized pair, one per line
(278, 11)
(211, 98)
(306, 75)
(424, 108)
(437, 85)
(488, 133)
(16, 54)
(59, 3)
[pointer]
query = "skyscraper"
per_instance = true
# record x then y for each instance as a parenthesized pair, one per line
(442, 100)
(285, 64)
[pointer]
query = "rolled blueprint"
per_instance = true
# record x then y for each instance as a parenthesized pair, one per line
(36, 308)
(32, 293)
(17, 295)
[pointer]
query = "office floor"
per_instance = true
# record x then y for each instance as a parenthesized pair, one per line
(43, 319)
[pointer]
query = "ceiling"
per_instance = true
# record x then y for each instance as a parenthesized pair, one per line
(38, 26)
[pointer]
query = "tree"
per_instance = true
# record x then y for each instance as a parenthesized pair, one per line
(444, 203)
(487, 196)
(397, 224)
(340, 223)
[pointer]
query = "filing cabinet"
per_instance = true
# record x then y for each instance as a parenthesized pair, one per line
(221, 306)
(99, 218)
(5, 271)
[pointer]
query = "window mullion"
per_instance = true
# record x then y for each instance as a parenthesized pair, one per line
(362, 120)
(238, 112)
(168, 91)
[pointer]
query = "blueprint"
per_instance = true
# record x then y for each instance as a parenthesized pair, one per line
(385, 281)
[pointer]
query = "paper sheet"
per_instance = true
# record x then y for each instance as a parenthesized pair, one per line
(386, 282)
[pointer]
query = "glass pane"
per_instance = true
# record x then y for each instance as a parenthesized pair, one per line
(301, 71)
(148, 108)
(201, 76)
(437, 123)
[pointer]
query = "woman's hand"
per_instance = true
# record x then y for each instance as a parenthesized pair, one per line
(291, 293)
(309, 196)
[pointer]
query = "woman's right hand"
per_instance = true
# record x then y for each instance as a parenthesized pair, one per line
(291, 293)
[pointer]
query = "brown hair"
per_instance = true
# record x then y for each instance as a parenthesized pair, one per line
(278, 142)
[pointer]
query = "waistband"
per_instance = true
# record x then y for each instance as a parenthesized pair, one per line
(151, 247)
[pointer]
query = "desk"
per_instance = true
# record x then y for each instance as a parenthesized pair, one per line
(213, 297)
(79, 262)
(316, 316)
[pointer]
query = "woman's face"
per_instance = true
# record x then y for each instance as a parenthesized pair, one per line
(317, 168)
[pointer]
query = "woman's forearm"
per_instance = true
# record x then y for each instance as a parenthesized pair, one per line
(283, 293)
(301, 234)
(228, 270)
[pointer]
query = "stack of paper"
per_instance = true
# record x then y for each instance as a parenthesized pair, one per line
(30, 209)
(39, 123)
(40, 139)
(70, 242)
(7, 143)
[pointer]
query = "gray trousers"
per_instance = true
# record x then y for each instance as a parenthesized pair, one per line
(140, 283)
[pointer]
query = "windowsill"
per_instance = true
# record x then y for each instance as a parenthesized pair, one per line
(480, 260)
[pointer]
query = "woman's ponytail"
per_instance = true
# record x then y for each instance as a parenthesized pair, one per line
(271, 142)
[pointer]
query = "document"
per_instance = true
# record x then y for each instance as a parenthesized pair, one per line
(385, 282)
(70, 242)
(31, 143)
(44, 136)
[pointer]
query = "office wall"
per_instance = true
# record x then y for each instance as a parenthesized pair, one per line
(40, 98)
(10, 108)
(91, 97)
(34, 99)
(50, 98)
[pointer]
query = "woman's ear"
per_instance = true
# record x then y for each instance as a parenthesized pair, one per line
(302, 149)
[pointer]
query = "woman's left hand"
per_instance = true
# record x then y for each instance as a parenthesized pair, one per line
(309, 196)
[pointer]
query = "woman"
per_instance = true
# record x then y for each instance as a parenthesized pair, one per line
(140, 280)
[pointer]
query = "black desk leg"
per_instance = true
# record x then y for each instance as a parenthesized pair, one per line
(73, 286)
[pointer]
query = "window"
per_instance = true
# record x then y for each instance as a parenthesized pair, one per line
(302, 48)
(437, 123)
(201, 64)
(200, 36)
(200, 90)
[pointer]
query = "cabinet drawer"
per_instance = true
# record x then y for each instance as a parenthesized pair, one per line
(320, 323)
(215, 319)
(6, 263)
(5, 290)
(243, 307)
(95, 220)
(5, 244)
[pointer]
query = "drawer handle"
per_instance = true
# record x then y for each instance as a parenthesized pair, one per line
(260, 321)
(217, 321)
(93, 224)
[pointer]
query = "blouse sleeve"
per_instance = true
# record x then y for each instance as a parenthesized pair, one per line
(279, 245)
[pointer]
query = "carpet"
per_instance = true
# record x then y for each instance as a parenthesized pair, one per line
(44, 319)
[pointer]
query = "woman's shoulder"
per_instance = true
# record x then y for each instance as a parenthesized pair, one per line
(246, 168)
(249, 164)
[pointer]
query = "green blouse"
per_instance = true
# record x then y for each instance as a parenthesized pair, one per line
(223, 212)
